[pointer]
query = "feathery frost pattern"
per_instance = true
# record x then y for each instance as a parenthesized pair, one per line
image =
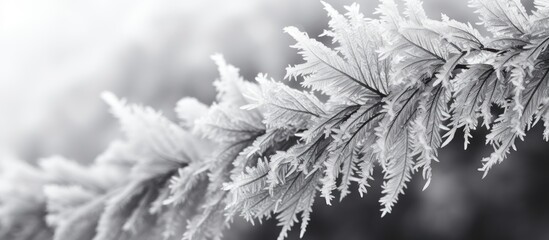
(388, 97)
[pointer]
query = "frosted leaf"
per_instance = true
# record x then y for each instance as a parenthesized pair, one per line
(507, 17)
(283, 106)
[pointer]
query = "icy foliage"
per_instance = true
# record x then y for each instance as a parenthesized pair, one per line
(389, 96)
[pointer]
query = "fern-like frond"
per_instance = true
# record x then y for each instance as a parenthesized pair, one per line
(476, 89)
(502, 18)
(62, 200)
(400, 111)
(416, 47)
(540, 16)
(343, 155)
(126, 214)
(325, 125)
(397, 171)
(230, 86)
(326, 71)
(225, 120)
(518, 118)
(359, 40)
(367, 162)
(393, 147)
(82, 222)
(285, 107)
(462, 35)
(298, 197)
(426, 128)
(160, 144)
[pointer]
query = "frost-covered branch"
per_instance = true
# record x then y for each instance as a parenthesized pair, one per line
(394, 91)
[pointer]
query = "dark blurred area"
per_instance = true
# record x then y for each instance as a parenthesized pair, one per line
(510, 203)
(56, 57)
